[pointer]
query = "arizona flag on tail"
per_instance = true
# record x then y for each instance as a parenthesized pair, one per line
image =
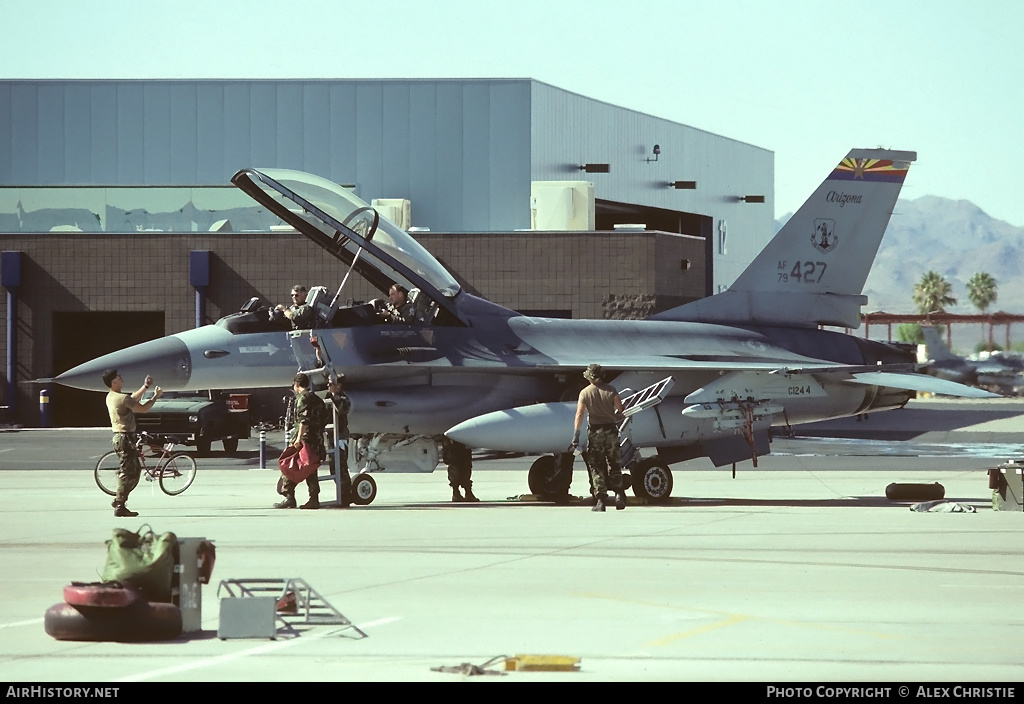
(886, 170)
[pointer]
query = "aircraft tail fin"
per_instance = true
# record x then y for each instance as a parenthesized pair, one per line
(935, 347)
(813, 271)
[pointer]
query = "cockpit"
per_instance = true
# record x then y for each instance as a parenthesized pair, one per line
(256, 316)
(371, 247)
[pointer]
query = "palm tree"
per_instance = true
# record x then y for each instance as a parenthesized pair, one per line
(981, 291)
(932, 294)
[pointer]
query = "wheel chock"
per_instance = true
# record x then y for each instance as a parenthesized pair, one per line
(542, 663)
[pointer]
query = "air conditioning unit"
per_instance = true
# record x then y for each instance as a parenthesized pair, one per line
(396, 210)
(562, 205)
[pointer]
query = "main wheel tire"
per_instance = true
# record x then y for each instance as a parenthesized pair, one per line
(106, 473)
(101, 594)
(230, 445)
(142, 621)
(652, 480)
(364, 489)
(177, 474)
(547, 480)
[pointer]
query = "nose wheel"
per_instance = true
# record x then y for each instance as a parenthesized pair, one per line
(364, 489)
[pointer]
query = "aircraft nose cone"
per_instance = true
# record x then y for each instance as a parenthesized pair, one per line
(167, 360)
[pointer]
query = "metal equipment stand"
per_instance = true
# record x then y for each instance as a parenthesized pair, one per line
(295, 603)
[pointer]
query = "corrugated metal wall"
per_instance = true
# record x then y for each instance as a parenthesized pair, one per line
(459, 150)
(570, 130)
(463, 151)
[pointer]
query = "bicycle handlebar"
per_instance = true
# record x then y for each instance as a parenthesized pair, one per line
(155, 440)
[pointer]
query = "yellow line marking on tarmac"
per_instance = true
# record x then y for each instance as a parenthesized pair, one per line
(269, 647)
(729, 619)
(736, 618)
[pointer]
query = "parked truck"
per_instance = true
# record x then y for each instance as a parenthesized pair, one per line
(199, 419)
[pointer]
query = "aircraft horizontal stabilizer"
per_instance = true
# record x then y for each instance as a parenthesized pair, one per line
(920, 382)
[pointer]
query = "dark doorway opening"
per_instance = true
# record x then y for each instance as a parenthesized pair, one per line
(79, 337)
(608, 214)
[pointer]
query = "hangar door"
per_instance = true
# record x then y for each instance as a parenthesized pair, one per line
(609, 213)
(79, 337)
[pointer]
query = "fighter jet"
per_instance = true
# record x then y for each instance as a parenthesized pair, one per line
(1001, 374)
(741, 361)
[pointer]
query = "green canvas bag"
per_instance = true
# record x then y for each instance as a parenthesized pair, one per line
(143, 560)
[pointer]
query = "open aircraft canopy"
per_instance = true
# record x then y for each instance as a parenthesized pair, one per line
(351, 230)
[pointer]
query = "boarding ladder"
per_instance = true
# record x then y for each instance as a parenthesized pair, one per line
(634, 403)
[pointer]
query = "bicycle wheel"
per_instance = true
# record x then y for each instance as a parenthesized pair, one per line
(177, 473)
(106, 473)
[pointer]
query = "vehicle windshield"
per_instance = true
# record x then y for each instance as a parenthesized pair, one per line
(336, 212)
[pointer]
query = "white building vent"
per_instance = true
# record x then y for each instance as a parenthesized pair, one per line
(397, 210)
(562, 205)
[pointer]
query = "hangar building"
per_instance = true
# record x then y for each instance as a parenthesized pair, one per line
(531, 194)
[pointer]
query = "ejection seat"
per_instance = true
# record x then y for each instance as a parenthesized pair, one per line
(423, 309)
(319, 299)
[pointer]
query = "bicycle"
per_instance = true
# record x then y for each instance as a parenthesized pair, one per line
(175, 471)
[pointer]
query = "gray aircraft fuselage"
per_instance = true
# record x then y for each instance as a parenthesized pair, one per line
(423, 379)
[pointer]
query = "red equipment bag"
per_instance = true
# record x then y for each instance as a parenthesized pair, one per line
(298, 463)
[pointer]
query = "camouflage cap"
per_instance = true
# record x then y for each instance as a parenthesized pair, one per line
(594, 373)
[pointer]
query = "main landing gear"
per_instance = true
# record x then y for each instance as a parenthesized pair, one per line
(550, 475)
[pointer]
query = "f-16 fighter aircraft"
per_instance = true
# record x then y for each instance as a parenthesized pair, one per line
(998, 373)
(741, 361)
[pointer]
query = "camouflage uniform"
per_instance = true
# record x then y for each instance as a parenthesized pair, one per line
(302, 316)
(120, 408)
(600, 402)
(131, 470)
(603, 459)
(310, 410)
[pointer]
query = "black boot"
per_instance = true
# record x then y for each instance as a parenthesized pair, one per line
(599, 504)
(620, 500)
(122, 511)
(470, 496)
(456, 496)
(289, 502)
(314, 503)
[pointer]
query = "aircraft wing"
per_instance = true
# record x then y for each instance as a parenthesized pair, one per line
(898, 376)
(920, 382)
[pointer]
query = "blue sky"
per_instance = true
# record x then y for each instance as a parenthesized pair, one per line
(807, 80)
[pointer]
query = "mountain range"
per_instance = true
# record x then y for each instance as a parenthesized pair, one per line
(957, 239)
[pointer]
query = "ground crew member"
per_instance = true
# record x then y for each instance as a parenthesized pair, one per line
(309, 420)
(459, 459)
(342, 404)
(602, 404)
(122, 409)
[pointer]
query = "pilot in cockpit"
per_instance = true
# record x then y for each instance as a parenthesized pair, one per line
(300, 313)
(397, 309)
